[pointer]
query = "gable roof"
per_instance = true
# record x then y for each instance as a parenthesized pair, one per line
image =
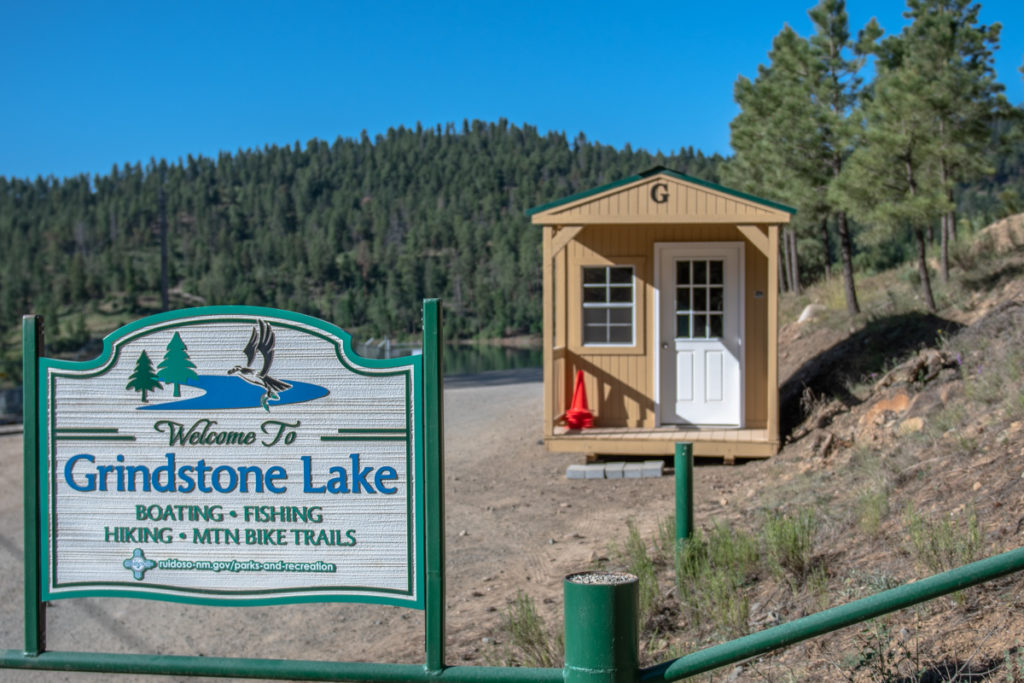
(691, 200)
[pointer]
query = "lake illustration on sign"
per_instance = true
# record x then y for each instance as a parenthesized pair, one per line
(242, 387)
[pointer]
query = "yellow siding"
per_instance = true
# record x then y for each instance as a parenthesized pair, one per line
(619, 382)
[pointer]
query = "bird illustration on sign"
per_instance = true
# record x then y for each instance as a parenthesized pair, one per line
(262, 341)
(242, 386)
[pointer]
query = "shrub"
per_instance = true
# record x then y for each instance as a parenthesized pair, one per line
(528, 642)
(789, 541)
(638, 562)
(944, 544)
(711, 573)
(872, 509)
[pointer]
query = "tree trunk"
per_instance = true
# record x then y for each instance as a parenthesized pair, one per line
(784, 262)
(796, 262)
(828, 250)
(922, 269)
(792, 262)
(164, 299)
(944, 238)
(952, 217)
(846, 254)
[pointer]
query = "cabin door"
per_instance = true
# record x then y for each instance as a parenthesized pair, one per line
(700, 333)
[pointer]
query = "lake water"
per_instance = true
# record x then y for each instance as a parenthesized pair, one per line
(471, 359)
(223, 392)
(466, 359)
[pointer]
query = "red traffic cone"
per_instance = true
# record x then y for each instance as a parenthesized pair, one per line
(579, 416)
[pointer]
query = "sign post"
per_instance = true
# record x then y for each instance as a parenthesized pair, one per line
(434, 478)
(35, 608)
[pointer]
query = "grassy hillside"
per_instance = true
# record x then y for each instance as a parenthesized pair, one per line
(904, 456)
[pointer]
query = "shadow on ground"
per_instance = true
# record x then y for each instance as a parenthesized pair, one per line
(873, 350)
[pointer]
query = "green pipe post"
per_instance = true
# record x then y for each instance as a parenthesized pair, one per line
(35, 608)
(601, 627)
(837, 617)
(433, 485)
(683, 465)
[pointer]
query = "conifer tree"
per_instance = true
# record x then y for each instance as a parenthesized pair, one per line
(836, 91)
(891, 181)
(953, 54)
(176, 367)
(770, 138)
(795, 131)
(144, 377)
(932, 103)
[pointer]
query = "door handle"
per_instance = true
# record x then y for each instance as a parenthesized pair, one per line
(664, 345)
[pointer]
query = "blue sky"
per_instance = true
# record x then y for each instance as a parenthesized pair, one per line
(90, 85)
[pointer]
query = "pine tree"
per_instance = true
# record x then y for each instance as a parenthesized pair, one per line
(953, 53)
(176, 367)
(836, 91)
(770, 137)
(144, 378)
(794, 133)
(891, 180)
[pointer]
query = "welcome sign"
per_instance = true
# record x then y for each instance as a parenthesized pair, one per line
(232, 455)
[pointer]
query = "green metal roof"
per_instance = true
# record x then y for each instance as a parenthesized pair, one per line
(659, 170)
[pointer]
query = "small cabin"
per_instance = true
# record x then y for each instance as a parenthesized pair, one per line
(663, 290)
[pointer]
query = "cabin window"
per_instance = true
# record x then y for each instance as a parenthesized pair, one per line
(608, 305)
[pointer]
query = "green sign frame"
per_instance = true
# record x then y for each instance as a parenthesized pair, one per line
(427, 507)
(213, 320)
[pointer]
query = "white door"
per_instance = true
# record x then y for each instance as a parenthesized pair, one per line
(700, 333)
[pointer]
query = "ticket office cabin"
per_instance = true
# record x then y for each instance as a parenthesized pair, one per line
(663, 290)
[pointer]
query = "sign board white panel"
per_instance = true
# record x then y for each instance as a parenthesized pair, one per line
(232, 455)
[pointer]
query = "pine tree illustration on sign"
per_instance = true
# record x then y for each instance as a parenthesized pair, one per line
(144, 377)
(177, 368)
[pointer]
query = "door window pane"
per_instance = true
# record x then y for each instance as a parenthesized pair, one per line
(700, 272)
(682, 298)
(700, 299)
(700, 324)
(682, 325)
(716, 273)
(716, 325)
(715, 299)
(683, 272)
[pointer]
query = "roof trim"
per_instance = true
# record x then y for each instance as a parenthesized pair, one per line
(659, 170)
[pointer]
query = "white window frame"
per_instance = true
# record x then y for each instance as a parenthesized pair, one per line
(608, 305)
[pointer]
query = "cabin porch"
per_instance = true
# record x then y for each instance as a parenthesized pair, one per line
(727, 444)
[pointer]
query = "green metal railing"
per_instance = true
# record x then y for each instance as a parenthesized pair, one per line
(601, 610)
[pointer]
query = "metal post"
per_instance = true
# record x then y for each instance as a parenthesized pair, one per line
(433, 477)
(601, 628)
(684, 491)
(35, 608)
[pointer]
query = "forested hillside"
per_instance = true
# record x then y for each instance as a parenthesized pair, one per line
(354, 231)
